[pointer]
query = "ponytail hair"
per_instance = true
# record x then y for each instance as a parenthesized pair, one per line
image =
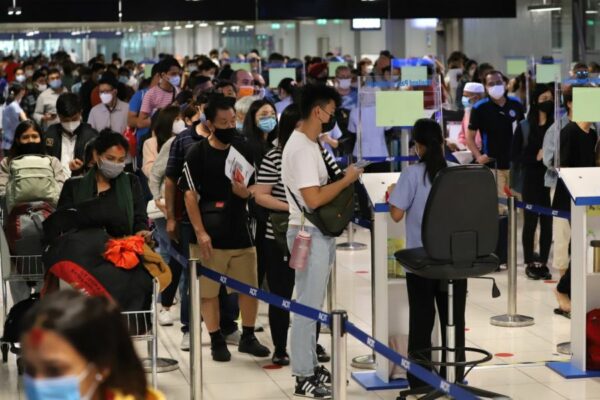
(428, 133)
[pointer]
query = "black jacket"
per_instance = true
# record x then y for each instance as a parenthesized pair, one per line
(84, 133)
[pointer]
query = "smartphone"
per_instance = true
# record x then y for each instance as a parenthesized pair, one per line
(362, 163)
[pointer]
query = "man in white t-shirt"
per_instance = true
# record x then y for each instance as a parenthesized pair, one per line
(305, 176)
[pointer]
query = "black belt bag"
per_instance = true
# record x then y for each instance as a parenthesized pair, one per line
(215, 218)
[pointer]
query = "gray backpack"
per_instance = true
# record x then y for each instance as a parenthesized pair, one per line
(31, 178)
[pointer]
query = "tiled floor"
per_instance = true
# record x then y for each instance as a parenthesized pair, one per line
(521, 376)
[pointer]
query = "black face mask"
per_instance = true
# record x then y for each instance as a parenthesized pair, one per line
(30, 148)
(225, 136)
(547, 107)
(328, 126)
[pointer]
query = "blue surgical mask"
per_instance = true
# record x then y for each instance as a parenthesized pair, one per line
(466, 102)
(175, 80)
(267, 124)
(239, 125)
(55, 84)
(62, 388)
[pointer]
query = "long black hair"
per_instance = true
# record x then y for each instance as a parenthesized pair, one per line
(23, 127)
(254, 135)
(428, 133)
(534, 116)
(95, 327)
(287, 123)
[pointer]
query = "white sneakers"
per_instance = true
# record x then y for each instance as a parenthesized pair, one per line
(165, 318)
(233, 338)
(185, 342)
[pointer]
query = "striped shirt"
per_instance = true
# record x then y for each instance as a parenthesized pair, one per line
(270, 174)
(156, 98)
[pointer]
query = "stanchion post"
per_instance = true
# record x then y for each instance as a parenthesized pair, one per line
(339, 354)
(154, 353)
(195, 333)
(511, 318)
(350, 245)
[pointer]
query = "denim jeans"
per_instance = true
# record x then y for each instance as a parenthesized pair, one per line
(311, 287)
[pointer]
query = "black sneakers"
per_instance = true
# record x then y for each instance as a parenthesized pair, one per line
(220, 352)
(323, 375)
(311, 388)
(322, 355)
(537, 271)
(251, 345)
(282, 359)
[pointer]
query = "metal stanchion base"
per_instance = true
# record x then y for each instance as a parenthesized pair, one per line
(512, 321)
(162, 364)
(564, 348)
(351, 246)
(364, 362)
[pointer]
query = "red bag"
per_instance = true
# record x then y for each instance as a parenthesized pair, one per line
(593, 339)
(129, 134)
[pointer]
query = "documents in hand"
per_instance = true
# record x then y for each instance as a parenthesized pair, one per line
(237, 168)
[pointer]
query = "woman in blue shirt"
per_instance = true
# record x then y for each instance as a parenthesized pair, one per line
(13, 114)
(408, 199)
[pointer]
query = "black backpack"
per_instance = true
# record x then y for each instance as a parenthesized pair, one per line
(13, 324)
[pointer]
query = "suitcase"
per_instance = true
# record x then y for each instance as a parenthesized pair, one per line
(502, 245)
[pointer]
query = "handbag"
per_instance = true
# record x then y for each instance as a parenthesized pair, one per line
(279, 224)
(332, 218)
(153, 211)
(215, 218)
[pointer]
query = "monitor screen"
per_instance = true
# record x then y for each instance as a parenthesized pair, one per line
(361, 24)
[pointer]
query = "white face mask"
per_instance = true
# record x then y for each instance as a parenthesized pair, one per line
(178, 126)
(106, 98)
(496, 92)
(41, 87)
(344, 83)
(70, 126)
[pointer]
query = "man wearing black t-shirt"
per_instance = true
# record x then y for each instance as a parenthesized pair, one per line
(496, 117)
(217, 209)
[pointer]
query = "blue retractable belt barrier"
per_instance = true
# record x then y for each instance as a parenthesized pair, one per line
(381, 159)
(538, 209)
(323, 317)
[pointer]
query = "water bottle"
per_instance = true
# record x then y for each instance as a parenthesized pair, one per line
(300, 250)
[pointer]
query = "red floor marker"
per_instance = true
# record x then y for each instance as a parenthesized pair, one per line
(550, 281)
(361, 272)
(272, 366)
(467, 329)
(503, 354)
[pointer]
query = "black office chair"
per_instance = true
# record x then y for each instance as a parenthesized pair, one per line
(459, 234)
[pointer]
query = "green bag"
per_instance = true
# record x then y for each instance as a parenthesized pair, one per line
(31, 178)
(279, 224)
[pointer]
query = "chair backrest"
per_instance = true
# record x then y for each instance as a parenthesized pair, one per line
(460, 222)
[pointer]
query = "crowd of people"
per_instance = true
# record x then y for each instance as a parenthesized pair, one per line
(225, 166)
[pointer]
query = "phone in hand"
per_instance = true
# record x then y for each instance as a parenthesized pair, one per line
(362, 163)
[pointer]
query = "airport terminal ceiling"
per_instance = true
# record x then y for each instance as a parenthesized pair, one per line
(157, 10)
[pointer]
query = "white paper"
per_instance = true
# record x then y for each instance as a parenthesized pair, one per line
(236, 165)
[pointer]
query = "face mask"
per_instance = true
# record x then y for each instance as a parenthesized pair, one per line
(63, 388)
(203, 118)
(28, 73)
(344, 83)
(211, 76)
(20, 78)
(55, 84)
(123, 79)
(496, 92)
(175, 80)
(225, 136)
(239, 126)
(466, 102)
(106, 97)
(178, 126)
(110, 169)
(30, 148)
(328, 126)
(267, 124)
(547, 107)
(41, 87)
(70, 126)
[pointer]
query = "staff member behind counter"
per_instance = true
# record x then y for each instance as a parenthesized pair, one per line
(408, 197)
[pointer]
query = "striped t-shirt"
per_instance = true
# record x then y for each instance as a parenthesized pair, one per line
(270, 174)
(156, 98)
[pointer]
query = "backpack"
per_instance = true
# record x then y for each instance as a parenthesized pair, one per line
(24, 228)
(31, 178)
(13, 324)
(593, 339)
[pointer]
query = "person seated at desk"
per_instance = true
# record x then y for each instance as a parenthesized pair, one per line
(119, 203)
(408, 197)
